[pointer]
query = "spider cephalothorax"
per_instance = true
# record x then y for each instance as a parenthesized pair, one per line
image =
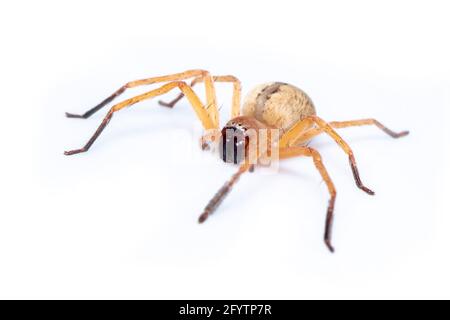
(274, 115)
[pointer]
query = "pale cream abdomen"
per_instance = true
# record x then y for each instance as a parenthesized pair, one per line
(277, 104)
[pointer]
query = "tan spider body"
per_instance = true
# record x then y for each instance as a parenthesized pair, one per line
(278, 105)
(268, 107)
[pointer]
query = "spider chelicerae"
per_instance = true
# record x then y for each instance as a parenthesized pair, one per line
(276, 118)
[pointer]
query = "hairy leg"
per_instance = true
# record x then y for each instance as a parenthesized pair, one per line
(309, 134)
(223, 192)
(148, 81)
(197, 105)
(294, 134)
(290, 152)
(236, 100)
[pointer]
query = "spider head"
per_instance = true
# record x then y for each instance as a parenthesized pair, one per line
(233, 144)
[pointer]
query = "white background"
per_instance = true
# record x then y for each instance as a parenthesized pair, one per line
(121, 220)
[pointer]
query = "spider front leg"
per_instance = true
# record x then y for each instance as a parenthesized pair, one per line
(289, 152)
(223, 192)
(197, 105)
(209, 86)
(133, 84)
(296, 133)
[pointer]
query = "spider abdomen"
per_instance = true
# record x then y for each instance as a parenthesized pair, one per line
(278, 105)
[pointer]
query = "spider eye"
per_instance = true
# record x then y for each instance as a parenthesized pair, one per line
(232, 145)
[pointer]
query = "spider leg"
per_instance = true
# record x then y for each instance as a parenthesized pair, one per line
(210, 92)
(197, 105)
(290, 152)
(180, 96)
(345, 124)
(236, 100)
(223, 192)
(296, 132)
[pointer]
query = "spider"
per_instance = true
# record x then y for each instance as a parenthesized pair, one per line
(271, 106)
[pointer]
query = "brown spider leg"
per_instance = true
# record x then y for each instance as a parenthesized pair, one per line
(345, 124)
(223, 192)
(94, 136)
(236, 100)
(290, 152)
(197, 105)
(132, 84)
(90, 112)
(296, 132)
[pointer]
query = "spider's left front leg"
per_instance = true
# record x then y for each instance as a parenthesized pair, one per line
(223, 192)
(295, 134)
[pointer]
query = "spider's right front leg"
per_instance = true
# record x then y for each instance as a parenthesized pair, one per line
(197, 105)
(132, 84)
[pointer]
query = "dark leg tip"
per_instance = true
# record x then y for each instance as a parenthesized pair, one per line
(165, 104)
(71, 115)
(329, 246)
(71, 152)
(203, 217)
(402, 134)
(367, 190)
